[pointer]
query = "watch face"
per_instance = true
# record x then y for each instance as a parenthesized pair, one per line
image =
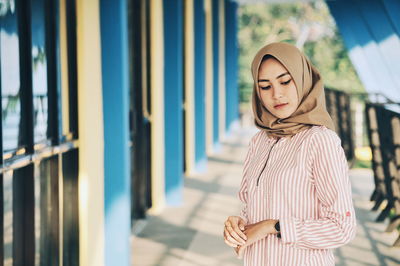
(277, 227)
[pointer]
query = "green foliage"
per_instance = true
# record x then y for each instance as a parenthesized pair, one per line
(307, 25)
(362, 164)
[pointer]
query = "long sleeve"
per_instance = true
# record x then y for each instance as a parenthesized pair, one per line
(336, 225)
(243, 186)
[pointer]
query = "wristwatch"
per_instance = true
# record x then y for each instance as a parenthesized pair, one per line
(278, 229)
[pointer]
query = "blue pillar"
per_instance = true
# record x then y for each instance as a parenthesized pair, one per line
(114, 45)
(200, 93)
(215, 44)
(173, 101)
(231, 63)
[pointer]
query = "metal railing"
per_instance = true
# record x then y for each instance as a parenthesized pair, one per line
(384, 136)
(338, 106)
(383, 129)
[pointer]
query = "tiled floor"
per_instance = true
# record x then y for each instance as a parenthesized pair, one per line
(191, 234)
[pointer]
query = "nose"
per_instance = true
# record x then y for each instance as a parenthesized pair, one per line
(277, 92)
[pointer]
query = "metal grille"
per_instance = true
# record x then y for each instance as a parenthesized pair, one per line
(39, 134)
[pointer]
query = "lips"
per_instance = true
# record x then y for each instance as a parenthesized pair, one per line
(280, 105)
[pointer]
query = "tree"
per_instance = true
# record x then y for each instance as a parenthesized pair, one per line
(310, 27)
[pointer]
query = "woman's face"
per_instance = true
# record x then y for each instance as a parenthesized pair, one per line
(277, 89)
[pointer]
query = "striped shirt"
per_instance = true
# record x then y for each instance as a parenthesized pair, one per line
(302, 182)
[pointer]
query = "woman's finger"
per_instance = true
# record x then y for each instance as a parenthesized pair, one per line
(236, 249)
(239, 232)
(229, 243)
(229, 223)
(240, 252)
(233, 236)
(231, 239)
(242, 224)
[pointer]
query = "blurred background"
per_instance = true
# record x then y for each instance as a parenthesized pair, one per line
(125, 123)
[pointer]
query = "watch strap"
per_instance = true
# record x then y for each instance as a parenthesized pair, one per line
(278, 229)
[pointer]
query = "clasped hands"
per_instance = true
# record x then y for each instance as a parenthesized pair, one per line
(239, 235)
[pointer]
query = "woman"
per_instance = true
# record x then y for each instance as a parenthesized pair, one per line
(295, 187)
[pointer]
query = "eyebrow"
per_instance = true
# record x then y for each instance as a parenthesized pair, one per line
(267, 80)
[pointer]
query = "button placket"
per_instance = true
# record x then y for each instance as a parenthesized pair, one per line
(267, 160)
(267, 179)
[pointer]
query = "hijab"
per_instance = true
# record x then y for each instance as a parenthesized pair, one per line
(311, 109)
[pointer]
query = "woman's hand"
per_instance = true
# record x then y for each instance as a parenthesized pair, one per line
(255, 232)
(233, 231)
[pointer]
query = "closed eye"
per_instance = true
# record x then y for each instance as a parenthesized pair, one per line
(269, 86)
(265, 88)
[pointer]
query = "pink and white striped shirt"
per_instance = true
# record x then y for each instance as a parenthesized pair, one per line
(302, 182)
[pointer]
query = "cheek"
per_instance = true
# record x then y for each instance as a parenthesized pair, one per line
(293, 95)
(265, 97)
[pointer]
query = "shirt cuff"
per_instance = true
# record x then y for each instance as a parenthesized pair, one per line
(288, 230)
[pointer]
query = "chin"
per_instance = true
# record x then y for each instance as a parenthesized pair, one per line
(282, 116)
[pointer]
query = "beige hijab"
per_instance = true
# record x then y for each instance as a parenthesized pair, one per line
(310, 91)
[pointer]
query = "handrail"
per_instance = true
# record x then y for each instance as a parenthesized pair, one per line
(38, 155)
(376, 94)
